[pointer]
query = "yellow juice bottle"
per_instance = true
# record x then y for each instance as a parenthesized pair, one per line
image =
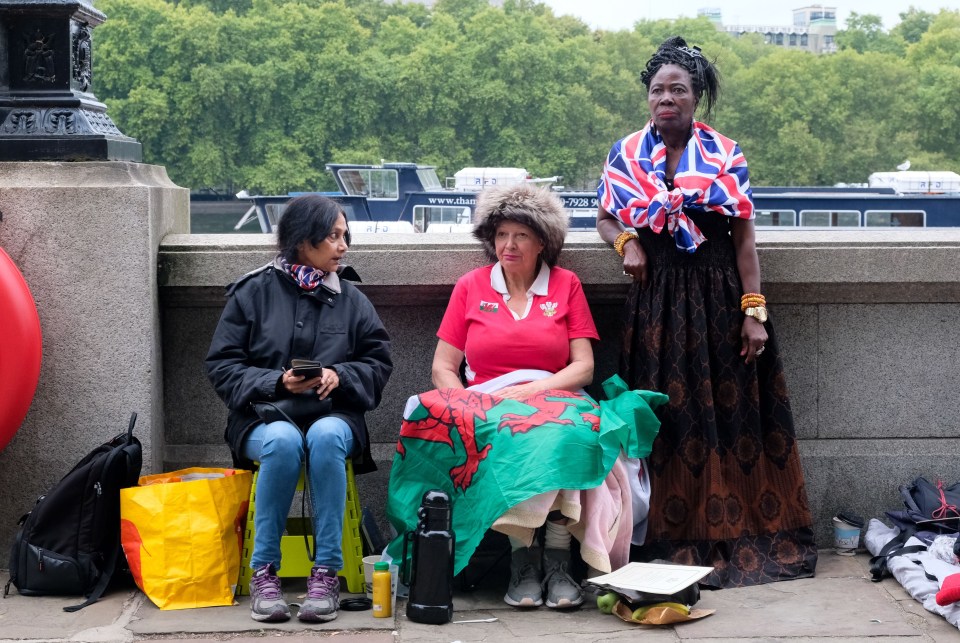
(381, 590)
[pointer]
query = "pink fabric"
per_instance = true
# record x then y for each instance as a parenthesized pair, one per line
(600, 518)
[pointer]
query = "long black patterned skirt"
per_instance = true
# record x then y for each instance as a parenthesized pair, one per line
(726, 482)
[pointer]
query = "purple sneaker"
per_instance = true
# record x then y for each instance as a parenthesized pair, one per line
(266, 598)
(323, 596)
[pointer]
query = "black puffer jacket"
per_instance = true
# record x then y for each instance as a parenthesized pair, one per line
(268, 320)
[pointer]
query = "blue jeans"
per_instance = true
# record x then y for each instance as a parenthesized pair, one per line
(279, 448)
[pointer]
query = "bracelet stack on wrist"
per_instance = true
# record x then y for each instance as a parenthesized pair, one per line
(622, 240)
(753, 304)
(752, 300)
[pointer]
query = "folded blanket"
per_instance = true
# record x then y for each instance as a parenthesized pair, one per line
(601, 518)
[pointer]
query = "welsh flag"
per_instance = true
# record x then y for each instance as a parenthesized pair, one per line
(489, 454)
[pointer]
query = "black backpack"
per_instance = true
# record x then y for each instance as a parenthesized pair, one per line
(69, 544)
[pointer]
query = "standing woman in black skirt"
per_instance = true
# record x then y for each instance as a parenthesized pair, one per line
(727, 488)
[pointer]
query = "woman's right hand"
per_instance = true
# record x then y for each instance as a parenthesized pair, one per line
(635, 262)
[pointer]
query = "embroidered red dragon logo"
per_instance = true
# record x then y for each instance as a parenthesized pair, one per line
(457, 410)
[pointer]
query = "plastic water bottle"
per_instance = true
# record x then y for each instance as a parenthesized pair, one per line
(431, 581)
(382, 595)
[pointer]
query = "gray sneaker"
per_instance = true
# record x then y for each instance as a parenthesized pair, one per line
(524, 589)
(561, 590)
(266, 598)
(323, 596)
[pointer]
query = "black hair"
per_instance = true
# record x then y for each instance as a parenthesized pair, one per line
(308, 218)
(703, 73)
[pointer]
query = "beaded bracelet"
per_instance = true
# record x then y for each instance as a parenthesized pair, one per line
(752, 300)
(622, 240)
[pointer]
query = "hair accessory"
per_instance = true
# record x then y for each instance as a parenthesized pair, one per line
(693, 52)
(622, 240)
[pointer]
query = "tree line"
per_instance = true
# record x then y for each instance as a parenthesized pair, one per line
(260, 94)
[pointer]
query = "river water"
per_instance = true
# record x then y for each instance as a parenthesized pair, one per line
(213, 217)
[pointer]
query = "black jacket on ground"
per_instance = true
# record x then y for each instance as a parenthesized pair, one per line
(269, 320)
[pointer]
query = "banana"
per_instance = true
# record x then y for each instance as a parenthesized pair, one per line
(677, 607)
(640, 612)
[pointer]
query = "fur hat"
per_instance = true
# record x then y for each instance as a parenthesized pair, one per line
(535, 207)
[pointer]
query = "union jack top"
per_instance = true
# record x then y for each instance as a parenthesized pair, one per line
(711, 175)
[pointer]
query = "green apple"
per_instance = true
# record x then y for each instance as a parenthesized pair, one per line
(606, 602)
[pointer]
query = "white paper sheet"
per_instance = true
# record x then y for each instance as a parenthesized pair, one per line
(653, 578)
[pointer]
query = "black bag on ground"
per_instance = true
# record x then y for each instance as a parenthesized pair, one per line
(928, 501)
(69, 544)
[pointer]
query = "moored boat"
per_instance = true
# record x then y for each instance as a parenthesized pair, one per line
(409, 197)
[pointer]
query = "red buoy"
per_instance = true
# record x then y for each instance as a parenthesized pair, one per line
(20, 349)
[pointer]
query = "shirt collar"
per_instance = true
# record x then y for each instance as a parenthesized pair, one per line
(541, 285)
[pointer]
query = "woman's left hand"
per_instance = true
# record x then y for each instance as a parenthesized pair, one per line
(754, 338)
(329, 380)
(519, 391)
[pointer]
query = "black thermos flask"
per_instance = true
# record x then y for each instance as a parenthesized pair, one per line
(431, 580)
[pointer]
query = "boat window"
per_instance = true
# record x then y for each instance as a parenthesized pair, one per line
(372, 183)
(424, 215)
(830, 218)
(776, 218)
(428, 178)
(895, 218)
(581, 219)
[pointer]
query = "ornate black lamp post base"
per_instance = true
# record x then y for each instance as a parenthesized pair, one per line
(47, 108)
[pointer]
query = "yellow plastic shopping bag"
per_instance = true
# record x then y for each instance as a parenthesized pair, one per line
(182, 533)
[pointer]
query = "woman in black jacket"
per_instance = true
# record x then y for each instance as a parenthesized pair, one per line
(297, 307)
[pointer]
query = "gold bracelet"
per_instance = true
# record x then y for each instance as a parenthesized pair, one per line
(752, 300)
(622, 240)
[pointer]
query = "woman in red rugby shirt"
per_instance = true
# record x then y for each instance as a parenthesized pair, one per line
(521, 313)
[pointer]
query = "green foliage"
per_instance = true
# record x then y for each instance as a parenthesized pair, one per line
(865, 33)
(261, 94)
(913, 24)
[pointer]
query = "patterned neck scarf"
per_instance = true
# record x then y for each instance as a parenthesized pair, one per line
(307, 278)
(711, 175)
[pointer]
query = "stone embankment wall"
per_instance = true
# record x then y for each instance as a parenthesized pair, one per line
(866, 323)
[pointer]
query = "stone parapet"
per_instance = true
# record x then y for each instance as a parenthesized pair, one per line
(86, 238)
(864, 320)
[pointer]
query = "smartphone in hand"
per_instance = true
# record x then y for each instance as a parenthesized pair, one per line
(307, 367)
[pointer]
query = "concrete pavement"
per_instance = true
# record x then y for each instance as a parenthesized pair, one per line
(840, 604)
